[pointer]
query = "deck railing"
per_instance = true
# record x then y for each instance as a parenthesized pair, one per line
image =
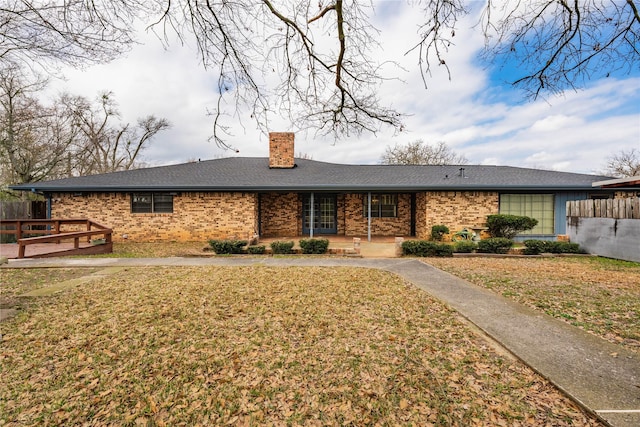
(54, 231)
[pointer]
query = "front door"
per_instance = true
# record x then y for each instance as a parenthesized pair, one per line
(324, 214)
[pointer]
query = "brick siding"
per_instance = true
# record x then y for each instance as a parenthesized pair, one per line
(195, 217)
(202, 216)
(280, 215)
(356, 223)
(455, 209)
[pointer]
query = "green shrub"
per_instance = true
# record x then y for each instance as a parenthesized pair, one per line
(221, 247)
(438, 232)
(256, 250)
(508, 226)
(314, 246)
(535, 247)
(570, 248)
(495, 245)
(465, 246)
(280, 247)
(425, 248)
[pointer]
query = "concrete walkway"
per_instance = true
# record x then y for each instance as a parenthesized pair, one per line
(602, 377)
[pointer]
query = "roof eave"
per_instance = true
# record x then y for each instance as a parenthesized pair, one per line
(305, 188)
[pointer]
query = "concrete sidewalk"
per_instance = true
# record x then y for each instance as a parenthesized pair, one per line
(600, 376)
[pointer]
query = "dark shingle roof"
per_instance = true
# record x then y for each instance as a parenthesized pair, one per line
(254, 174)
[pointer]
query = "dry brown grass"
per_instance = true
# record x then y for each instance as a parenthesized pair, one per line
(599, 295)
(260, 346)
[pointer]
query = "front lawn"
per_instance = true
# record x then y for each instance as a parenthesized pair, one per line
(260, 346)
(600, 295)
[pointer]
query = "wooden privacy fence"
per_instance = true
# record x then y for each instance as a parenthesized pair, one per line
(18, 209)
(628, 208)
(30, 232)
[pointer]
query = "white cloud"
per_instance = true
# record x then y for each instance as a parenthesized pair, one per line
(573, 132)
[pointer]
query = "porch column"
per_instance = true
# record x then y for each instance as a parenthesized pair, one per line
(311, 214)
(369, 217)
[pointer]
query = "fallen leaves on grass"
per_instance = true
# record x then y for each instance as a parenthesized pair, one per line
(597, 294)
(260, 345)
(15, 282)
(155, 250)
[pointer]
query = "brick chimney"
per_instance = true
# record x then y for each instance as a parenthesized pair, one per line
(281, 150)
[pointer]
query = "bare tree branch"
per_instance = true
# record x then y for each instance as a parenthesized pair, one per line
(314, 62)
(420, 153)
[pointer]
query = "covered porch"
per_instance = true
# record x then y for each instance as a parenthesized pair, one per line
(366, 215)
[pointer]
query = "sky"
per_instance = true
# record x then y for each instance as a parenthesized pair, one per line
(474, 113)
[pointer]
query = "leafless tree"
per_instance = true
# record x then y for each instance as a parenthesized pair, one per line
(560, 44)
(314, 61)
(102, 145)
(45, 33)
(420, 153)
(70, 137)
(34, 138)
(624, 163)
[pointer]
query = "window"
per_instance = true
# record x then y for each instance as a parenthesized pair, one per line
(382, 206)
(151, 203)
(538, 206)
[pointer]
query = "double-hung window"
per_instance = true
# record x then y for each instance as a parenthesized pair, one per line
(382, 206)
(151, 203)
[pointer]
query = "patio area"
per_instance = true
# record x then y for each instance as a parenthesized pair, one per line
(378, 247)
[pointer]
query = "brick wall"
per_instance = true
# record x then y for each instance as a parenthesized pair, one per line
(196, 217)
(280, 215)
(281, 150)
(455, 209)
(355, 223)
(202, 216)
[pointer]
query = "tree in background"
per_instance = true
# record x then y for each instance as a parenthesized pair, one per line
(319, 55)
(34, 139)
(624, 164)
(420, 153)
(101, 145)
(71, 137)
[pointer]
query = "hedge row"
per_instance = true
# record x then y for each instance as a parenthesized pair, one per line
(229, 246)
(424, 248)
(535, 247)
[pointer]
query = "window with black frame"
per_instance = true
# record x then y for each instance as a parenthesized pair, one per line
(151, 203)
(382, 206)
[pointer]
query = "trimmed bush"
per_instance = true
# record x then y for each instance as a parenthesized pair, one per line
(425, 248)
(535, 247)
(465, 246)
(508, 226)
(279, 247)
(314, 246)
(256, 250)
(223, 247)
(438, 232)
(495, 245)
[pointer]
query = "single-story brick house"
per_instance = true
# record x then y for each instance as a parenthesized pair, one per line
(282, 196)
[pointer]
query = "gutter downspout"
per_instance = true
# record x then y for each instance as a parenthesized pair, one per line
(49, 205)
(369, 218)
(312, 209)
